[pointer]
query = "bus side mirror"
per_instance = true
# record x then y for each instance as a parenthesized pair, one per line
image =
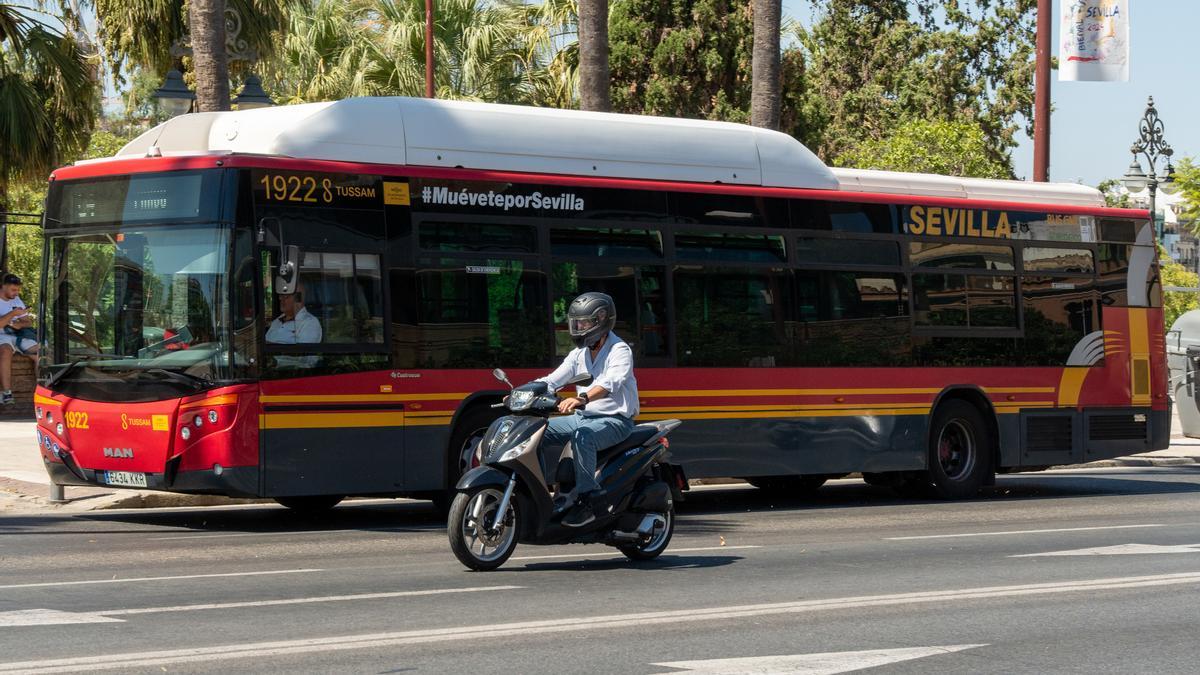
(289, 263)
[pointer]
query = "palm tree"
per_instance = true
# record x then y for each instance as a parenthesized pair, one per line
(594, 79)
(321, 55)
(480, 49)
(206, 20)
(764, 73)
(48, 96)
(149, 33)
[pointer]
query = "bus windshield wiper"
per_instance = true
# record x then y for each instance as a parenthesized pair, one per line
(68, 367)
(193, 381)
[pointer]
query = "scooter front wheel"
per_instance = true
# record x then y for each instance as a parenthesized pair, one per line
(481, 538)
(656, 544)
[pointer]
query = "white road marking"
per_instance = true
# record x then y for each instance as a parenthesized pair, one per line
(49, 617)
(465, 634)
(301, 601)
(829, 663)
(133, 579)
(617, 554)
(1010, 532)
(1120, 549)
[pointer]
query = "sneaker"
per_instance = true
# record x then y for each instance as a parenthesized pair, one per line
(579, 516)
(6, 398)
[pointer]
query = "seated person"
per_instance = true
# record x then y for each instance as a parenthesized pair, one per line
(294, 325)
(16, 332)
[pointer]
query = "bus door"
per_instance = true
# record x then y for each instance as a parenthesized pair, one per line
(331, 422)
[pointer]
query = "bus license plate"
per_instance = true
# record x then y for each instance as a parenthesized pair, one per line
(125, 478)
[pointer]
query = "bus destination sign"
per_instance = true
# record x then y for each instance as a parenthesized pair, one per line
(945, 221)
(327, 189)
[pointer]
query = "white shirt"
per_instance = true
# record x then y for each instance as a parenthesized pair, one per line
(612, 369)
(303, 329)
(7, 306)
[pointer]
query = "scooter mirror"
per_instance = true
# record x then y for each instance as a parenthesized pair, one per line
(500, 375)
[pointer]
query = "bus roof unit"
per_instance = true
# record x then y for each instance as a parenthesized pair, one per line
(932, 185)
(427, 132)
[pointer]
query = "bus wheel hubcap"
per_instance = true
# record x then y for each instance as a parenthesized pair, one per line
(956, 450)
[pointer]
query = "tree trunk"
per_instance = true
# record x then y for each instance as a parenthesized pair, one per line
(765, 85)
(593, 56)
(206, 20)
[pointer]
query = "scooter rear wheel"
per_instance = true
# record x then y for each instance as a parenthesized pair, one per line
(480, 538)
(658, 541)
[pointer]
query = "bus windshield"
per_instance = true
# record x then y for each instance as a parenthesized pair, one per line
(141, 304)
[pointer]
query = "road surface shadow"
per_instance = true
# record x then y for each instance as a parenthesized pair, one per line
(401, 516)
(664, 562)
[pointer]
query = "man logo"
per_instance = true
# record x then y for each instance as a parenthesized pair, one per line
(119, 453)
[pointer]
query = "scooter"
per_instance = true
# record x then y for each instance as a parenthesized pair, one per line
(510, 496)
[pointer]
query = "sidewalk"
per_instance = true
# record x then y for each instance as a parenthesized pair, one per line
(25, 486)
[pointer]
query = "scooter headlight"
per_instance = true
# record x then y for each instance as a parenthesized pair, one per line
(515, 452)
(520, 400)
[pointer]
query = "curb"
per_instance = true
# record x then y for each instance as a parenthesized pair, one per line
(1135, 461)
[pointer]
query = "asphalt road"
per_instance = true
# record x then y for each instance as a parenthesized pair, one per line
(850, 579)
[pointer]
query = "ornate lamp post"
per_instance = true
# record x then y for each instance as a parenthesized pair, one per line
(177, 99)
(1150, 144)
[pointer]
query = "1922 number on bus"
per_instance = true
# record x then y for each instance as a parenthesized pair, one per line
(303, 189)
(76, 419)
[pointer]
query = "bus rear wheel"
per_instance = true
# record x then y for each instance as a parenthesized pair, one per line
(959, 451)
(310, 505)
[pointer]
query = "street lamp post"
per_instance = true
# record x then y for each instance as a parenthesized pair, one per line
(1151, 145)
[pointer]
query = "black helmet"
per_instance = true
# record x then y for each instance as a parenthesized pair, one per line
(590, 317)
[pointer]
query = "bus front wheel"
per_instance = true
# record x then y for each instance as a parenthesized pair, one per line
(959, 451)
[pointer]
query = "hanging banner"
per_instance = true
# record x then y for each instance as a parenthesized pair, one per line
(1094, 46)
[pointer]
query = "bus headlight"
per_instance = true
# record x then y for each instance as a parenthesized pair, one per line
(198, 421)
(186, 432)
(37, 412)
(59, 429)
(212, 416)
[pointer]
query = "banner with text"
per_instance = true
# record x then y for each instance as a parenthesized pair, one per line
(1094, 43)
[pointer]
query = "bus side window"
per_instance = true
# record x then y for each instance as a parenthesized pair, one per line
(734, 317)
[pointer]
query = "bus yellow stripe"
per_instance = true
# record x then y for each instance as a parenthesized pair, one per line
(330, 420)
(38, 398)
(1070, 385)
(227, 399)
(1139, 353)
(359, 398)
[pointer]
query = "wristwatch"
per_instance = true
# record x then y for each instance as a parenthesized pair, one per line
(583, 397)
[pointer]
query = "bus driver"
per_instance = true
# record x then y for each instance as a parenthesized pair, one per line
(294, 325)
(602, 414)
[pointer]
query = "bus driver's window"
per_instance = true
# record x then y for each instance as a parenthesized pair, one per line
(294, 324)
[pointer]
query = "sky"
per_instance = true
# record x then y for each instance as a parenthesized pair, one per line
(1092, 124)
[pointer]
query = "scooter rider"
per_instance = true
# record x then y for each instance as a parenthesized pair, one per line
(611, 401)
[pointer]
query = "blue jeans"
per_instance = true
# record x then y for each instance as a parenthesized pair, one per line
(588, 436)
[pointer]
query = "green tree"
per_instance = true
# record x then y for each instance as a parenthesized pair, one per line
(135, 33)
(1114, 196)
(48, 96)
(866, 66)
(686, 58)
(1187, 179)
(1176, 303)
(484, 51)
(923, 146)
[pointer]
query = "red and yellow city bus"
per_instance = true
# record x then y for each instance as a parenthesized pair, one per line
(805, 322)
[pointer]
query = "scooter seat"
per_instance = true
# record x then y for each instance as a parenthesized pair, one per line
(641, 434)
